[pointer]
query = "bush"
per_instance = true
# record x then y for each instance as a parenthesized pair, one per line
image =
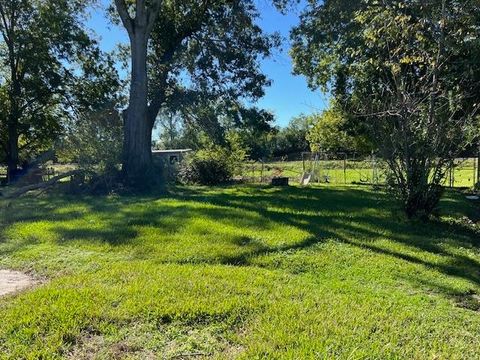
(94, 141)
(205, 168)
(419, 199)
(213, 165)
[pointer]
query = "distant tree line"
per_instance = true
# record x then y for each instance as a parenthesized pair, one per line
(325, 132)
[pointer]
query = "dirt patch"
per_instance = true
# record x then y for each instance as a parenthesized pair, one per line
(469, 300)
(13, 281)
(148, 341)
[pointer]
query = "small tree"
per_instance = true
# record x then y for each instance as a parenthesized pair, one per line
(94, 141)
(331, 133)
(407, 72)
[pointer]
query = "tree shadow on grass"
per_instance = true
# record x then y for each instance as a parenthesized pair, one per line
(340, 215)
(357, 217)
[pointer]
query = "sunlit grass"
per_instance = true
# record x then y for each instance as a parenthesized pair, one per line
(247, 272)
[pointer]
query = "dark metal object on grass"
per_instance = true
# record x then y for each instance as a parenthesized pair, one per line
(280, 181)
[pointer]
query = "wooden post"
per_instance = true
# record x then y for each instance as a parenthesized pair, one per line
(373, 167)
(450, 177)
(474, 171)
(263, 166)
(478, 166)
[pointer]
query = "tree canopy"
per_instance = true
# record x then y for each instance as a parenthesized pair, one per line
(407, 73)
(50, 68)
(206, 49)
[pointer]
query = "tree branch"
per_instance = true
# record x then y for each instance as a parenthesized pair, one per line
(169, 53)
(43, 185)
(127, 21)
(153, 16)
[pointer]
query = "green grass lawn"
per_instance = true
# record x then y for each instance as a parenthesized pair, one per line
(248, 272)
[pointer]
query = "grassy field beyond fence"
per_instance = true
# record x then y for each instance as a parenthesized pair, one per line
(348, 171)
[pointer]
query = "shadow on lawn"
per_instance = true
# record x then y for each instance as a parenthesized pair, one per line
(340, 215)
(353, 216)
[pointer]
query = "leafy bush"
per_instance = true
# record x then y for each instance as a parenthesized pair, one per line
(94, 141)
(214, 164)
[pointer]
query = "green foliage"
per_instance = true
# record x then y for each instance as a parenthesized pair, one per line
(197, 125)
(255, 130)
(206, 167)
(94, 141)
(330, 134)
(293, 138)
(50, 68)
(247, 272)
(213, 164)
(405, 74)
(215, 44)
(172, 132)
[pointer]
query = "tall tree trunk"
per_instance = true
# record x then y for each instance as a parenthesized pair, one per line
(138, 123)
(137, 156)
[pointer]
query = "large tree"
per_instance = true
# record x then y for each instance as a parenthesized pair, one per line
(49, 67)
(209, 46)
(406, 72)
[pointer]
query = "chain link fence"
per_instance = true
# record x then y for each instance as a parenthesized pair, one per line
(342, 169)
(312, 168)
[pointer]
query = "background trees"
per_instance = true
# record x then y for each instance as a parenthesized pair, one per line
(332, 131)
(50, 68)
(209, 46)
(93, 140)
(293, 138)
(407, 73)
(328, 134)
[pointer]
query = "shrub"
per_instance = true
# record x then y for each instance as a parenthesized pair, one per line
(94, 141)
(214, 164)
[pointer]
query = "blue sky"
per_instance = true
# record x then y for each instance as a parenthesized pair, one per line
(288, 96)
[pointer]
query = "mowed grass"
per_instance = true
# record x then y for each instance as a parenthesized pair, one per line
(249, 272)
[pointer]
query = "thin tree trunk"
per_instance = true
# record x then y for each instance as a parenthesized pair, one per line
(478, 166)
(12, 152)
(12, 125)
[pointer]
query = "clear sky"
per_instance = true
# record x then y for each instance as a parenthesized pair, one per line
(288, 96)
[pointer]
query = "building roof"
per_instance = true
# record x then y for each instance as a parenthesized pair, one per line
(171, 151)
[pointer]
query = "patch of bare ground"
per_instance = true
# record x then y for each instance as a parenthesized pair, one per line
(150, 341)
(14, 281)
(469, 300)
